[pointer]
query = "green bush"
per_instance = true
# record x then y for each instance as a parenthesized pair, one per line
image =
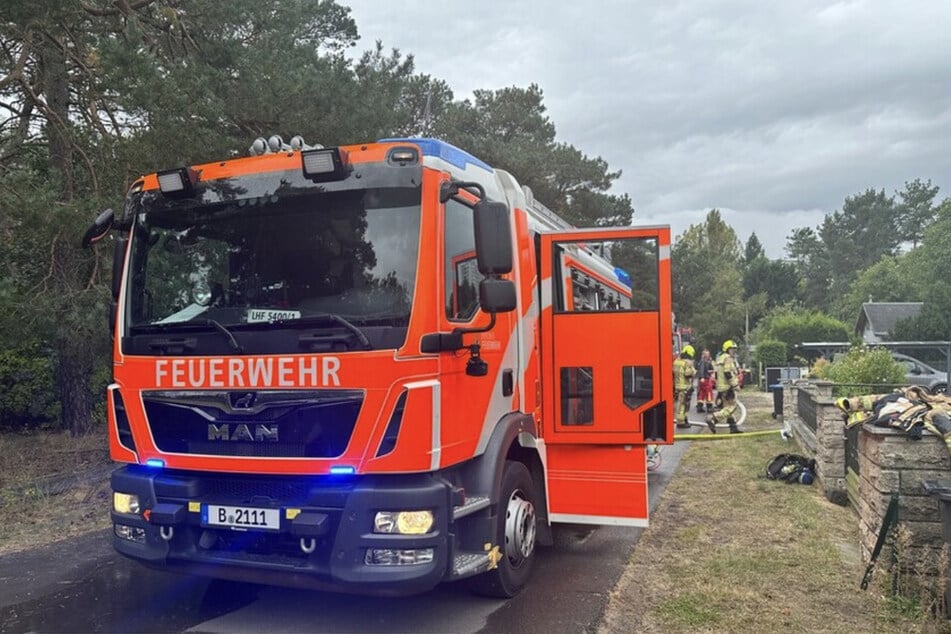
(820, 369)
(864, 371)
(28, 394)
(771, 353)
(794, 327)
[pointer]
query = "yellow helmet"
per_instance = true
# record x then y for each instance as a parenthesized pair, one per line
(729, 343)
(688, 350)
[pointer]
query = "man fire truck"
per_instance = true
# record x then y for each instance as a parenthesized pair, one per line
(375, 367)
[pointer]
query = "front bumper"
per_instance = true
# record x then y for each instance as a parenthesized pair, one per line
(329, 516)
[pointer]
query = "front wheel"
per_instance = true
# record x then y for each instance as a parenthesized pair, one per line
(515, 536)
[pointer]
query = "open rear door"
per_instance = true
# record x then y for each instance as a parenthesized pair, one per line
(607, 365)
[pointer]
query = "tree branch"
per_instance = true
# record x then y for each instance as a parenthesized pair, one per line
(55, 119)
(120, 7)
(17, 73)
(52, 267)
(91, 282)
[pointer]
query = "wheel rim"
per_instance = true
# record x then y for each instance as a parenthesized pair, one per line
(519, 528)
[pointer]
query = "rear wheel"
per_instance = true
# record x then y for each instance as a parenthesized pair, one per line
(939, 389)
(515, 536)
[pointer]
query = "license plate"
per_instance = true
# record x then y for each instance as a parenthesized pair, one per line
(241, 517)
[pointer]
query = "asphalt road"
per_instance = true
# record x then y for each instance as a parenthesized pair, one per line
(81, 585)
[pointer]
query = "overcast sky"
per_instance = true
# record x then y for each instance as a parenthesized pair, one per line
(772, 112)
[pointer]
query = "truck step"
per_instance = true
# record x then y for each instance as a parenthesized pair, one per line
(466, 564)
(473, 504)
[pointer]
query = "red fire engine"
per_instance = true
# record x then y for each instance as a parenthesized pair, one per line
(376, 367)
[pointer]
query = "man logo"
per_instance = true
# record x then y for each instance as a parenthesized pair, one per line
(242, 400)
(242, 432)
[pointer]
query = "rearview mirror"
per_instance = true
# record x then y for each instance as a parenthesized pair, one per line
(493, 237)
(497, 296)
(99, 229)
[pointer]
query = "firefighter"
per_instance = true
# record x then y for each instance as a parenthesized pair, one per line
(683, 384)
(727, 382)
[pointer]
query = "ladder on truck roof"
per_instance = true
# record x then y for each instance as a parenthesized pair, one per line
(543, 216)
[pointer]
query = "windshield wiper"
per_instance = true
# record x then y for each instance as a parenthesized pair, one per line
(201, 323)
(329, 317)
(220, 328)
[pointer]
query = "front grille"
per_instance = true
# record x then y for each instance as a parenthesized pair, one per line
(321, 492)
(243, 489)
(290, 424)
(246, 449)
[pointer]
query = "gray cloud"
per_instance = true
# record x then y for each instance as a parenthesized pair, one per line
(773, 112)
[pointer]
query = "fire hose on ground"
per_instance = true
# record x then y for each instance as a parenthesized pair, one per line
(785, 431)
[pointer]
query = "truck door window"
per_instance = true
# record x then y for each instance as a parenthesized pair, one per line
(577, 396)
(607, 275)
(462, 275)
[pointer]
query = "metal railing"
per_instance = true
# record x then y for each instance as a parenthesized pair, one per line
(806, 406)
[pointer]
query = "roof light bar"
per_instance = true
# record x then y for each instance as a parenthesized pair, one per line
(275, 143)
(325, 164)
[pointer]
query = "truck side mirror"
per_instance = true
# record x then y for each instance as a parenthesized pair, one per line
(99, 229)
(493, 237)
(496, 295)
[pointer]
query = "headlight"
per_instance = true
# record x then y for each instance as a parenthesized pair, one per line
(130, 533)
(125, 503)
(403, 522)
(398, 557)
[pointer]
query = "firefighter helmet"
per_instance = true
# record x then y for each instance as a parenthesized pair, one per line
(688, 350)
(729, 343)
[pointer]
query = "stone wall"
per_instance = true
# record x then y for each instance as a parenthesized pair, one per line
(889, 461)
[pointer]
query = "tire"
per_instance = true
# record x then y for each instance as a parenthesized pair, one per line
(939, 389)
(515, 535)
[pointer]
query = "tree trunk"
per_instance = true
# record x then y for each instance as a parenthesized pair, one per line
(55, 86)
(73, 367)
(73, 373)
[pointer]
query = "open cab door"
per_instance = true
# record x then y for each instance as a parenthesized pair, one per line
(607, 369)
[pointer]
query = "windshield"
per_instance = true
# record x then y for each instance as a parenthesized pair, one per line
(281, 259)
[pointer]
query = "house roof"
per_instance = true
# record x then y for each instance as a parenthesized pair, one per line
(881, 317)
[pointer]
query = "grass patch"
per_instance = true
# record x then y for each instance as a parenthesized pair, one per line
(27, 457)
(688, 611)
(52, 486)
